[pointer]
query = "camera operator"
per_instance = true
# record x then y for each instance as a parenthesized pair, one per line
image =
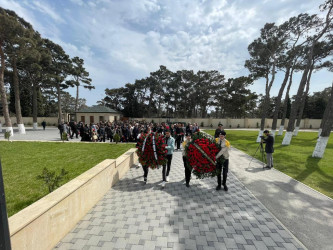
(268, 139)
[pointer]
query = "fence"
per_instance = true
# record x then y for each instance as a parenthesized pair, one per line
(4, 230)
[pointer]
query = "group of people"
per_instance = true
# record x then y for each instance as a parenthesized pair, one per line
(127, 131)
(174, 144)
(220, 137)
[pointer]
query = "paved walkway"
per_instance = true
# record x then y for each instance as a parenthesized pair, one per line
(307, 213)
(137, 216)
(50, 134)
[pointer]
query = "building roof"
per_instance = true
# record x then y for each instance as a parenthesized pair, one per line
(97, 109)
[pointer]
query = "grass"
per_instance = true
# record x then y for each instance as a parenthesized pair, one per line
(294, 160)
(23, 161)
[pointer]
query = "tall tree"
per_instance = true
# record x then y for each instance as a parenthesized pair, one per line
(265, 52)
(321, 51)
(323, 29)
(58, 71)
(294, 28)
(35, 66)
(17, 48)
(234, 99)
(80, 77)
(7, 32)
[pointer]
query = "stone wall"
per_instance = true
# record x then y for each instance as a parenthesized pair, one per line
(50, 121)
(234, 123)
(227, 122)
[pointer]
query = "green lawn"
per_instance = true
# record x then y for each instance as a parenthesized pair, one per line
(23, 161)
(294, 160)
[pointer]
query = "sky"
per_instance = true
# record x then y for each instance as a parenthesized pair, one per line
(124, 40)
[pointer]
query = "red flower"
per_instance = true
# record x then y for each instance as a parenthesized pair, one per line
(202, 161)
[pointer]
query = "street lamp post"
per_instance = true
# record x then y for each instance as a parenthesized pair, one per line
(4, 229)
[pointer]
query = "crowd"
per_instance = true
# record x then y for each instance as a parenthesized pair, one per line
(128, 131)
(174, 134)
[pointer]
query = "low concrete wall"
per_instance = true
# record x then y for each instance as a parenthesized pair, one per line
(44, 223)
(235, 123)
(29, 120)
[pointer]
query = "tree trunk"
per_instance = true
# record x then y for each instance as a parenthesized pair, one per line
(285, 104)
(278, 99)
(266, 101)
(323, 120)
(295, 106)
(18, 112)
(3, 95)
(34, 105)
(59, 104)
(149, 104)
(77, 97)
(326, 129)
(301, 108)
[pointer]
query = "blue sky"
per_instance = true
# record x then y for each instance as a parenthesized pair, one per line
(124, 40)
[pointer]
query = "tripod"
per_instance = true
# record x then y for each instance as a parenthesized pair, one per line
(262, 153)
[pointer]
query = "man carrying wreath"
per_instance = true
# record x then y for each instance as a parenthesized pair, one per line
(151, 151)
(225, 146)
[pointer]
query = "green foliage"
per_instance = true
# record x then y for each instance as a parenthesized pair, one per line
(202, 124)
(238, 126)
(22, 187)
(64, 136)
(116, 138)
(294, 160)
(175, 94)
(51, 180)
(7, 135)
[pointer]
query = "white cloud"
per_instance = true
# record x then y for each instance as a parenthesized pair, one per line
(46, 9)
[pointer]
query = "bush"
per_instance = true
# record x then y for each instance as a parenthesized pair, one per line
(7, 135)
(52, 181)
(238, 126)
(64, 136)
(202, 124)
(116, 138)
(310, 126)
(257, 124)
(230, 126)
(211, 125)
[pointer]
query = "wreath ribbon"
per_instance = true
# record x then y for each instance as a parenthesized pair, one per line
(144, 144)
(154, 146)
(204, 153)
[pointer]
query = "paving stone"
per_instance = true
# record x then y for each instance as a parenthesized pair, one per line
(136, 216)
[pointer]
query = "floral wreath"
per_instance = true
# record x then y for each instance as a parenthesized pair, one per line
(201, 155)
(151, 150)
